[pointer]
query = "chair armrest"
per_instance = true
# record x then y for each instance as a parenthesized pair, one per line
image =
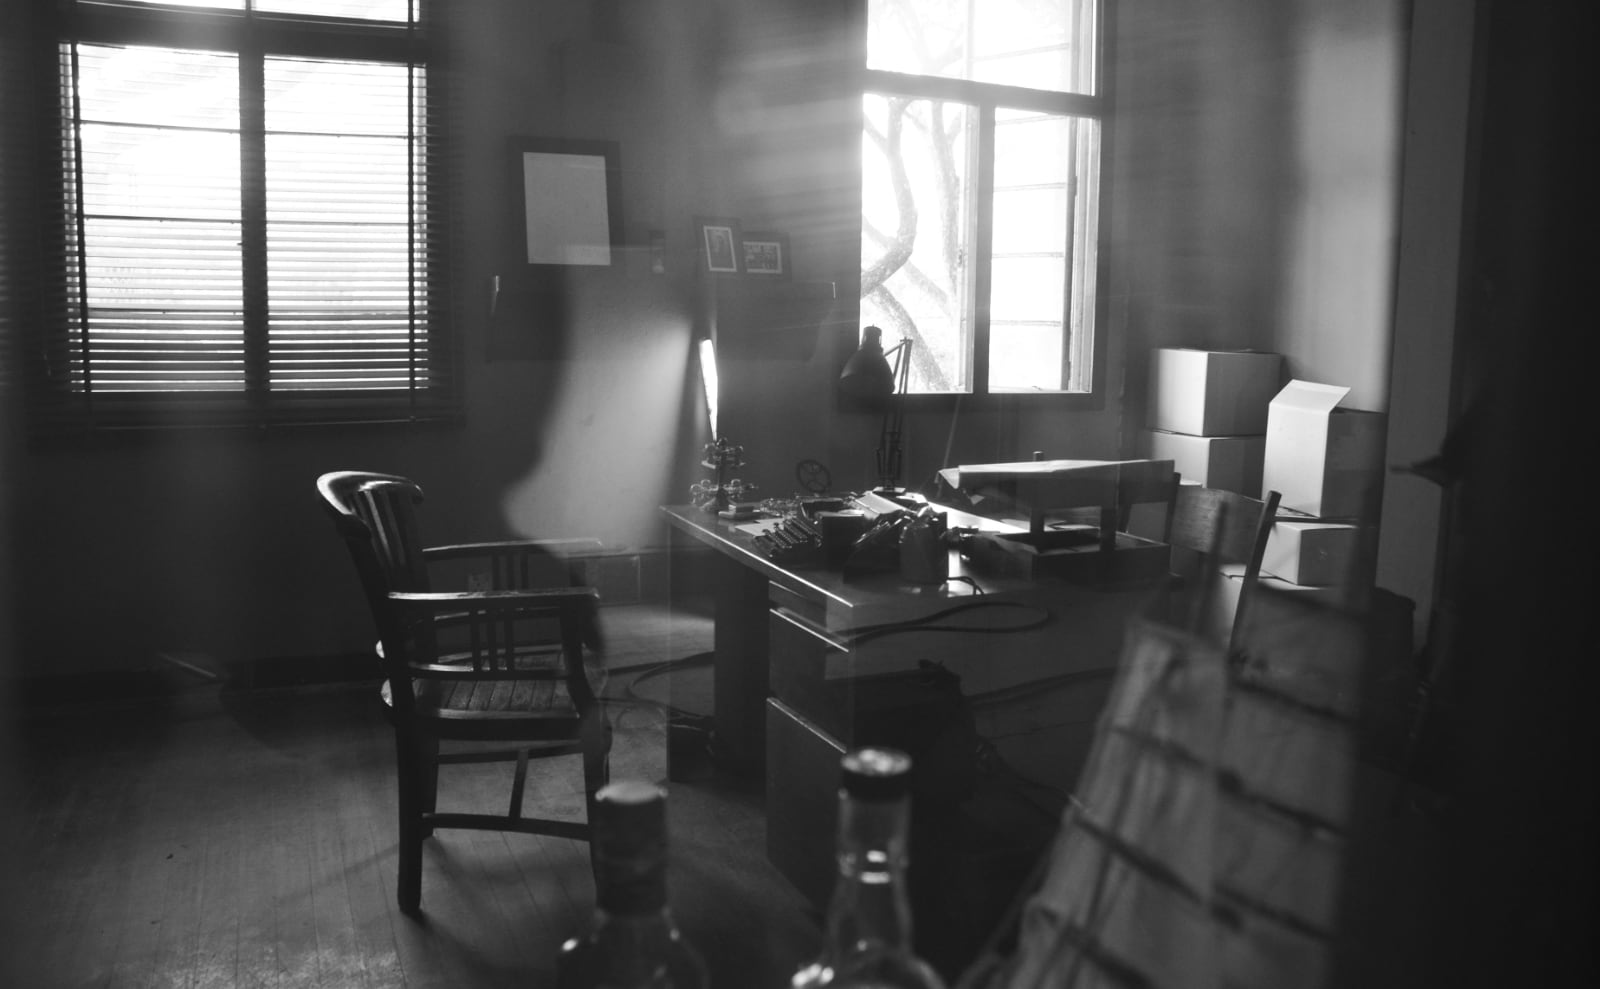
(517, 563)
(469, 608)
(512, 600)
(563, 548)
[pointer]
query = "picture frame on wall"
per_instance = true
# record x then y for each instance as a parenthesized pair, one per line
(766, 254)
(720, 244)
(570, 194)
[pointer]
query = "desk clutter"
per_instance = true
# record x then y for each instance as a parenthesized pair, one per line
(824, 532)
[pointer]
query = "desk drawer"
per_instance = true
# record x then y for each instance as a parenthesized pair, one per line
(799, 652)
(803, 607)
(802, 801)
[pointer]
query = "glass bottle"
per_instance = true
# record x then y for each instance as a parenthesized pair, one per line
(866, 937)
(633, 942)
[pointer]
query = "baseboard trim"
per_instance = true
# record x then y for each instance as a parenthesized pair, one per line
(52, 690)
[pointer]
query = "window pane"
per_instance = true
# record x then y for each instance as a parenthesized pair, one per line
(1039, 44)
(916, 233)
(160, 151)
(199, 4)
(371, 10)
(339, 231)
(1036, 249)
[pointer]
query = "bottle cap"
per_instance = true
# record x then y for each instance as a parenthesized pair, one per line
(876, 773)
(630, 845)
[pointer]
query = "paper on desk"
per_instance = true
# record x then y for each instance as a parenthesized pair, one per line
(987, 473)
(759, 526)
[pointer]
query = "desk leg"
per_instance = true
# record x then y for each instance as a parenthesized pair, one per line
(739, 691)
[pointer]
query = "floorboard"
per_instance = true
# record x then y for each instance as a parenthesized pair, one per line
(217, 836)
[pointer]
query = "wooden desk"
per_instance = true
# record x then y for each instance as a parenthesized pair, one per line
(746, 586)
(1024, 666)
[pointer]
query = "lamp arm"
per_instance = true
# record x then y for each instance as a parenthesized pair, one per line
(889, 446)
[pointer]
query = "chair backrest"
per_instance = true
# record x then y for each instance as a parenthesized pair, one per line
(376, 515)
(1223, 527)
(1226, 526)
(1146, 482)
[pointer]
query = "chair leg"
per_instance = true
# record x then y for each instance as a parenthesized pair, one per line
(596, 741)
(409, 783)
(428, 767)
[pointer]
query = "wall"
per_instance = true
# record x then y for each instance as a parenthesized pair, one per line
(1422, 392)
(1259, 152)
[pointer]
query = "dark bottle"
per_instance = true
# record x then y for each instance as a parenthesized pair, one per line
(866, 937)
(633, 942)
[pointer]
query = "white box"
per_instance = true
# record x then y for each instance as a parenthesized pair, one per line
(1212, 392)
(1232, 463)
(1225, 602)
(1311, 554)
(1323, 460)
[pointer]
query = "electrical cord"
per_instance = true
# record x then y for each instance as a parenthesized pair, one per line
(649, 671)
(927, 623)
(976, 587)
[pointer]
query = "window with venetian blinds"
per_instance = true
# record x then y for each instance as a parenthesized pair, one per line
(251, 227)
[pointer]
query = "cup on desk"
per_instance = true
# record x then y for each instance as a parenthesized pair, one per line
(924, 557)
(840, 530)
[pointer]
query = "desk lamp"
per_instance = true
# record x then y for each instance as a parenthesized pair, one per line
(868, 375)
(720, 455)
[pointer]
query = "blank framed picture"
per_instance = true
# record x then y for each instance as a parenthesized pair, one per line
(571, 202)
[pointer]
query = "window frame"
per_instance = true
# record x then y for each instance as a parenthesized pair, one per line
(59, 400)
(987, 99)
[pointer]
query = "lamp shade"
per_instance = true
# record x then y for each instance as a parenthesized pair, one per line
(867, 373)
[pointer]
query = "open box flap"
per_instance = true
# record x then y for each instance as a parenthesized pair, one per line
(1308, 396)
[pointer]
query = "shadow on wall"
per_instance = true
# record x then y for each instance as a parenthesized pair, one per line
(614, 425)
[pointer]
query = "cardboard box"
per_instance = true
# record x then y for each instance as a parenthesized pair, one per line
(1323, 460)
(1225, 601)
(1311, 554)
(1232, 463)
(1212, 392)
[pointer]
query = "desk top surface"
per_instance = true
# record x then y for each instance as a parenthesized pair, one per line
(828, 585)
(871, 597)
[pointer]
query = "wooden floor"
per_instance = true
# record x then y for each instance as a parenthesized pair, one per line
(230, 837)
(217, 835)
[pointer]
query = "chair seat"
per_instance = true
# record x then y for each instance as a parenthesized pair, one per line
(485, 698)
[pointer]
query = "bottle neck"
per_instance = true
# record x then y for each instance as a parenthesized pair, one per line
(632, 888)
(870, 909)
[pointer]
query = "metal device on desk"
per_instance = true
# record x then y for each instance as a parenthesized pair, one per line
(1097, 548)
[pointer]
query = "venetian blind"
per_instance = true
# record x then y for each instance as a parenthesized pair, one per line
(250, 226)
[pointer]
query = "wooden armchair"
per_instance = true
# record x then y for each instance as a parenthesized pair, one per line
(515, 663)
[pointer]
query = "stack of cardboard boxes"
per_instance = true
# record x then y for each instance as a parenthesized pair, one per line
(1325, 462)
(1227, 420)
(1208, 414)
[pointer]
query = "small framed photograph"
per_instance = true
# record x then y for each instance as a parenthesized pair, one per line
(766, 254)
(719, 239)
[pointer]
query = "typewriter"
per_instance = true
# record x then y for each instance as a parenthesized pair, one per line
(793, 540)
